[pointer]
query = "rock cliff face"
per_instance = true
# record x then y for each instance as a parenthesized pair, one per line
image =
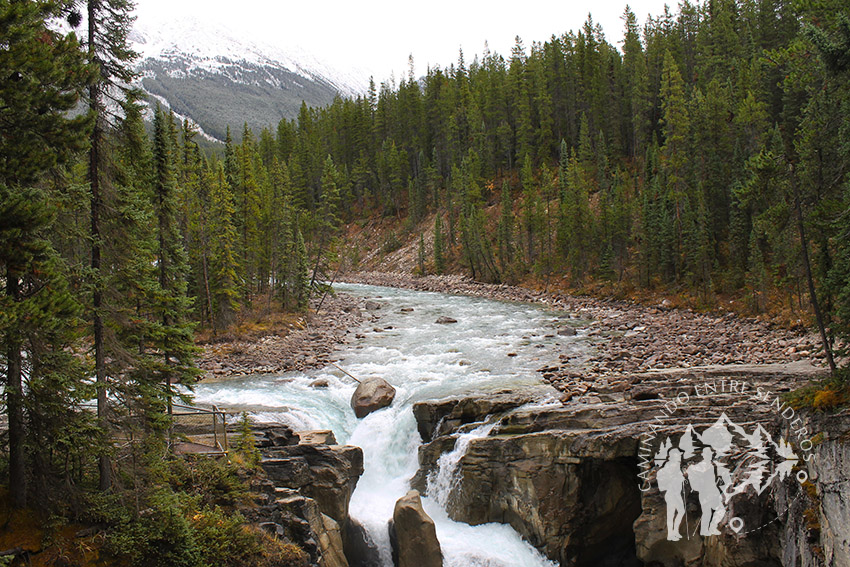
(568, 477)
(307, 494)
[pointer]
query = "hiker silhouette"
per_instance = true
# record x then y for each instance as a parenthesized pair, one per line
(671, 481)
(703, 478)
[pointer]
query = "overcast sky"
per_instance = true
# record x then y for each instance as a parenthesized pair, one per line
(378, 36)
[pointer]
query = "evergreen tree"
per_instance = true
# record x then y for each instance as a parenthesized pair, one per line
(301, 274)
(506, 229)
(108, 50)
(224, 267)
(421, 255)
(44, 76)
(174, 340)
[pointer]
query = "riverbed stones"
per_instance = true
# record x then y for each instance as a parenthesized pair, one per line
(413, 534)
(371, 395)
(653, 337)
(307, 342)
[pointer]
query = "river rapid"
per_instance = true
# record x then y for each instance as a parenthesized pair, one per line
(423, 360)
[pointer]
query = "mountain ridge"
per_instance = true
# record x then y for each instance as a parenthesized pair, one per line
(209, 74)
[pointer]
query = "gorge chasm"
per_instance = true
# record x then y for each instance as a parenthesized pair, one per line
(491, 447)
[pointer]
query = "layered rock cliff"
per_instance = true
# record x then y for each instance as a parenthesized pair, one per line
(577, 479)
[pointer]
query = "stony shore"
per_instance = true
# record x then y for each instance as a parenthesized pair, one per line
(627, 337)
(309, 344)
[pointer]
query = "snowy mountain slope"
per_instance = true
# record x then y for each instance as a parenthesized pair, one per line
(208, 73)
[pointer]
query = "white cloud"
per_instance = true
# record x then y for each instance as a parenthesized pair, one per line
(379, 35)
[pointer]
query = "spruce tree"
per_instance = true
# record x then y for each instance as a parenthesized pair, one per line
(44, 75)
(174, 340)
(107, 47)
(223, 260)
(506, 229)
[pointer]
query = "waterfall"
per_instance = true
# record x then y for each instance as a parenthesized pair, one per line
(442, 481)
(423, 361)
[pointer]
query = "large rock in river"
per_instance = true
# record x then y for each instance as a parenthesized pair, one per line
(371, 395)
(415, 541)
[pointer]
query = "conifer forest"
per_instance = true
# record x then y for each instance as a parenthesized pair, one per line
(707, 154)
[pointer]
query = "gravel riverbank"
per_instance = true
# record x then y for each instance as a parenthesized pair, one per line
(310, 343)
(629, 338)
(626, 338)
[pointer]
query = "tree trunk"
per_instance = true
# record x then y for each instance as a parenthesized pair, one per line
(212, 316)
(15, 406)
(804, 245)
(104, 464)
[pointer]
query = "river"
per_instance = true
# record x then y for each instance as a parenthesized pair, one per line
(423, 360)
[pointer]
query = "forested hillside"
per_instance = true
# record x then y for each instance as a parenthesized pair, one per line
(709, 153)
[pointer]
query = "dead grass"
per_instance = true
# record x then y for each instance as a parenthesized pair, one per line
(253, 325)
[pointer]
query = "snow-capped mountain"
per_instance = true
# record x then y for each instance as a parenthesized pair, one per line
(216, 78)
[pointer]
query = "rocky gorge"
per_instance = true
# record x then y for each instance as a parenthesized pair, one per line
(568, 476)
(574, 474)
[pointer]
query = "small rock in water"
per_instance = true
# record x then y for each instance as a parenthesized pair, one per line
(372, 305)
(511, 354)
(445, 320)
(371, 395)
(320, 383)
(567, 332)
(407, 309)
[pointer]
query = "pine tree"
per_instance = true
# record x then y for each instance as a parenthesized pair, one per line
(421, 255)
(108, 50)
(224, 268)
(44, 75)
(674, 152)
(506, 229)
(174, 340)
(301, 274)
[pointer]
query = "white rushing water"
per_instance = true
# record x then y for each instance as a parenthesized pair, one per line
(423, 361)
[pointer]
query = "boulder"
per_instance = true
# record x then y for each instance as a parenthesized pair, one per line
(371, 395)
(567, 332)
(415, 536)
(445, 320)
(372, 305)
(279, 436)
